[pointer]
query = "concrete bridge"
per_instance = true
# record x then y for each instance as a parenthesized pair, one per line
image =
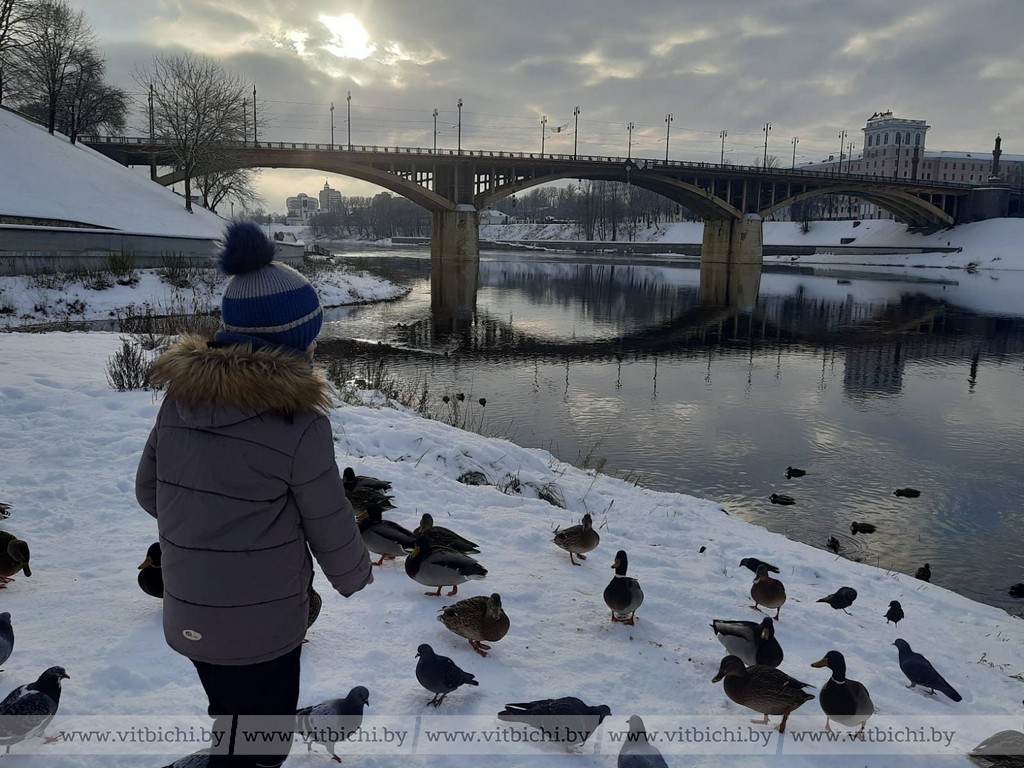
(454, 186)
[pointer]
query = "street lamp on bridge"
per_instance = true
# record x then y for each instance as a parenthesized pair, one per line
(332, 125)
(459, 105)
(543, 127)
(767, 128)
(842, 144)
(722, 135)
(349, 120)
(668, 127)
(629, 143)
(849, 158)
(794, 142)
(575, 131)
(435, 129)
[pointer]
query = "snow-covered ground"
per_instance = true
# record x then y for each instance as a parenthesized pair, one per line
(71, 443)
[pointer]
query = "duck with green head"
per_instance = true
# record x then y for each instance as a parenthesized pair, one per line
(843, 700)
(14, 556)
(440, 567)
(623, 593)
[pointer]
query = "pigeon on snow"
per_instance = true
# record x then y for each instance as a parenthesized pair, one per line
(29, 708)
(334, 717)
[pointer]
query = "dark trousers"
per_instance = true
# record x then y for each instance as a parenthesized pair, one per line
(265, 689)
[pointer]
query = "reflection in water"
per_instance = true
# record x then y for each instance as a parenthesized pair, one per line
(870, 386)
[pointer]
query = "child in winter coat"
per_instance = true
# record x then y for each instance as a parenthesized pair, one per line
(239, 472)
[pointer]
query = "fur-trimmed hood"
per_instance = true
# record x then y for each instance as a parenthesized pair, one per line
(197, 376)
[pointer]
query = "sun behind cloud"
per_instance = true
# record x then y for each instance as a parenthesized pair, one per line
(350, 40)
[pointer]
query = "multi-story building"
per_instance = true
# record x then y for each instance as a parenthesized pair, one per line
(330, 199)
(301, 208)
(894, 147)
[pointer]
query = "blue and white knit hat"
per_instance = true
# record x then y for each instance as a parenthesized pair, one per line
(264, 303)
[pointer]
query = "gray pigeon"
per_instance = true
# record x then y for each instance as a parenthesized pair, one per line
(6, 637)
(841, 599)
(919, 671)
(439, 674)
(568, 721)
(340, 718)
(29, 708)
(637, 751)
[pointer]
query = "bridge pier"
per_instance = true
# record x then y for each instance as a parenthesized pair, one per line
(455, 234)
(730, 261)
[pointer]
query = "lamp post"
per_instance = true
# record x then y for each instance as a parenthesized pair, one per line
(332, 125)
(722, 135)
(543, 127)
(575, 131)
(435, 129)
(849, 158)
(767, 128)
(349, 119)
(668, 128)
(796, 140)
(842, 146)
(629, 144)
(459, 105)
(254, 113)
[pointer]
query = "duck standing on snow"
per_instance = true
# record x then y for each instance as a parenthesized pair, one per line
(754, 643)
(340, 718)
(919, 671)
(766, 591)
(763, 689)
(362, 496)
(6, 638)
(384, 537)
(14, 556)
(578, 539)
(843, 700)
(439, 674)
(444, 537)
(478, 619)
(1004, 749)
(623, 593)
(29, 708)
(440, 567)
(637, 751)
(841, 599)
(151, 576)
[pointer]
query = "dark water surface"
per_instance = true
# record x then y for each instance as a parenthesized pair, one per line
(879, 383)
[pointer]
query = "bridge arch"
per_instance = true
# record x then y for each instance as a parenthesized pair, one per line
(907, 207)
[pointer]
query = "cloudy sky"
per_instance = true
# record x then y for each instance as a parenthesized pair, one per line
(810, 68)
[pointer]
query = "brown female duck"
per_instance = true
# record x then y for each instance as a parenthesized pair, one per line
(477, 619)
(578, 539)
(763, 689)
(766, 591)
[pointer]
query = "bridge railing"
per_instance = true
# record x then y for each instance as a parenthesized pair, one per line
(633, 163)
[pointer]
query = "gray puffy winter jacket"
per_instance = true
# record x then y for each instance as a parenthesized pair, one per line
(240, 474)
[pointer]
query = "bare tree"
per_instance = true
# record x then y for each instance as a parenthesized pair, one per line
(57, 44)
(238, 184)
(197, 110)
(15, 16)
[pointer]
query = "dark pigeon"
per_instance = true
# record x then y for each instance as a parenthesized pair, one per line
(334, 717)
(841, 599)
(29, 708)
(919, 671)
(637, 751)
(752, 564)
(895, 613)
(924, 573)
(6, 637)
(568, 720)
(439, 674)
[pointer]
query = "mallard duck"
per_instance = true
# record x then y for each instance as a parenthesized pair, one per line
(766, 591)
(792, 472)
(782, 498)
(845, 701)
(907, 493)
(444, 537)
(578, 539)
(362, 498)
(754, 643)
(151, 575)
(440, 567)
(623, 594)
(833, 545)
(477, 619)
(5, 510)
(14, 556)
(1017, 590)
(766, 690)
(856, 528)
(924, 573)
(384, 537)
(315, 604)
(1004, 749)
(352, 480)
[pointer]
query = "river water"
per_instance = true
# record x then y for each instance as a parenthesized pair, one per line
(869, 382)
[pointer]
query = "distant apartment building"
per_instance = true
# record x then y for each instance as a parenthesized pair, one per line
(330, 199)
(301, 208)
(895, 148)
